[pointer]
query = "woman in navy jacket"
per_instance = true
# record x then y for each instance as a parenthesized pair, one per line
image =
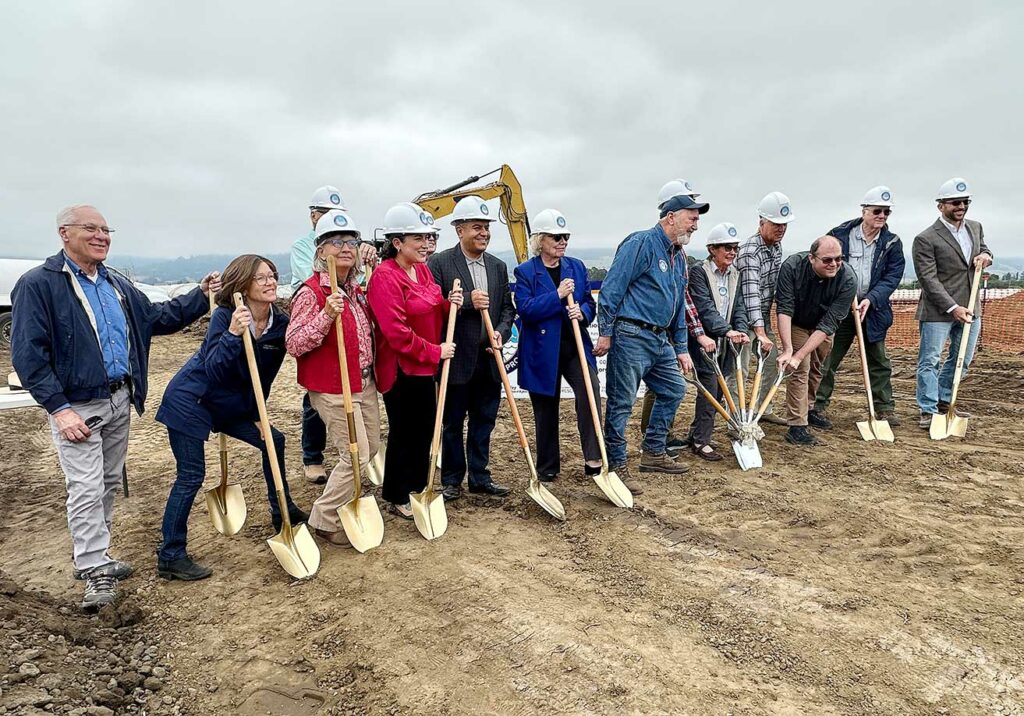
(547, 348)
(213, 392)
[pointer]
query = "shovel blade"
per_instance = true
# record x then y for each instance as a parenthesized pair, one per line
(612, 487)
(883, 431)
(429, 514)
(958, 426)
(748, 456)
(227, 508)
(363, 523)
(375, 468)
(939, 428)
(296, 551)
(543, 497)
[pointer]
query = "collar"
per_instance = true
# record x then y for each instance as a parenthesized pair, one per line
(858, 233)
(270, 323)
(952, 229)
(714, 267)
(472, 261)
(101, 270)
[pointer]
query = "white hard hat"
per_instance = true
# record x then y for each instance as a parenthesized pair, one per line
(335, 221)
(775, 208)
(471, 208)
(408, 218)
(676, 187)
(327, 197)
(724, 233)
(879, 196)
(550, 221)
(954, 189)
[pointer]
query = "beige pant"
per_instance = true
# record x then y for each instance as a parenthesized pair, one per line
(340, 486)
(803, 383)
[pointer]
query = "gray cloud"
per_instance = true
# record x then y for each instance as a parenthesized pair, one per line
(204, 127)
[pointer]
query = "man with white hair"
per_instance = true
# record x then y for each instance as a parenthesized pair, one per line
(80, 344)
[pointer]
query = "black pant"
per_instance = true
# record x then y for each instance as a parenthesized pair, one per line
(314, 434)
(410, 405)
(479, 399)
(545, 413)
(704, 413)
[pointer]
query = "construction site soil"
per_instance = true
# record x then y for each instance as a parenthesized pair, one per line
(855, 578)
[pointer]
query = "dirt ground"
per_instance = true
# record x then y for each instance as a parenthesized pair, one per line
(857, 578)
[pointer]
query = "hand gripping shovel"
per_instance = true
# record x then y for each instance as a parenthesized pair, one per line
(872, 428)
(610, 483)
(952, 424)
(225, 503)
(748, 455)
(293, 546)
(428, 507)
(361, 518)
(540, 494)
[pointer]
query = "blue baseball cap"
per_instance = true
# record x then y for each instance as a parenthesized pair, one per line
(683, 202)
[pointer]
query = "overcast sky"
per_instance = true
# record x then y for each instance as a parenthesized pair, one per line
(203, 127)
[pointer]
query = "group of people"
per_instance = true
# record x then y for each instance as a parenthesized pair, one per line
(81, 335)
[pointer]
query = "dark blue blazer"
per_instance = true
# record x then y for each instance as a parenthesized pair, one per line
(213, 389)
(887, 267)
(541, 315)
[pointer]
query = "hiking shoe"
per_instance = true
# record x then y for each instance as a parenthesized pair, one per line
(800, 435)
(121, 570)
(627, 478)
(315, 474)
(773, 419)
(889, 416)
(650, 462)
(451, 492)
(944, 408)
(338, 539)
(184, 569)
(100, 589)
(818, 420)
(925, 423)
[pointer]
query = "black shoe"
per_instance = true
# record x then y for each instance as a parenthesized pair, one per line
(184, 569)
(818, 420)
(547, 476)
(589, 471)
(674, 444)
(800, 435)
(451, 492)
(117, 569)
(295, 516)
(491, 488)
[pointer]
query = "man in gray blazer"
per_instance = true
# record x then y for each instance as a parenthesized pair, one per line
(474, 386)
(945, 256)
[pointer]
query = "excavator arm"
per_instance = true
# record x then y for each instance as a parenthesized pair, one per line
(506, 189)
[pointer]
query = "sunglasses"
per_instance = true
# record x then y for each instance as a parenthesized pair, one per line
(957, 202)
(829, 260)
(878, 212)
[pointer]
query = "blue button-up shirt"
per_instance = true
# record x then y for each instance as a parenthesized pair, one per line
(111, 324)
(646, 282)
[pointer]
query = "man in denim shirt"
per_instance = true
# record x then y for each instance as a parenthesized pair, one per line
(642, 325)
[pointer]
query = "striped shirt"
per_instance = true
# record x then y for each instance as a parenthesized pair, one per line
(758, 265)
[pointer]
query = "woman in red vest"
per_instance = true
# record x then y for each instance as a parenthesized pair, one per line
(410, 312)
(312, 339)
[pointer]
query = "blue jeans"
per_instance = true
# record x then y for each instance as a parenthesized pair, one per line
(191, 469)
(314, 434)
(640, 354)
(935, 385)
(478, 400)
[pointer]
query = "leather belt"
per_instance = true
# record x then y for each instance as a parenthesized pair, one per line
(643, 324)
(116, 385)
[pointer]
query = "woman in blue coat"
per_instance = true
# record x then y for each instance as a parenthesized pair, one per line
(213, 392)
(547, 348)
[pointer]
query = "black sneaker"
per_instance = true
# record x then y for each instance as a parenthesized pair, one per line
(451, 492)
(818, 420)
(100, 589)
(547, 476)
(184, 569)
(118, 569)
(800, 435)
(674, 444)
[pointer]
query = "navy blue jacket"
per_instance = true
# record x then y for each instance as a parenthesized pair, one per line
(886, 273)
(213, 389)
(54, 348)
(541, 314)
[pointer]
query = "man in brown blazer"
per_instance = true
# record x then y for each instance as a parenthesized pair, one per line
(945, 256)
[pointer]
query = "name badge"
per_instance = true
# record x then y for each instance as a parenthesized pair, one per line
(663, 265)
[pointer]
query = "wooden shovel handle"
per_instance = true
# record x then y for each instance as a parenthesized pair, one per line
(863, 357)
(346, 387)
(486, 316)
(965, 337)
(695, 381)
(591, 398)
(435, 442)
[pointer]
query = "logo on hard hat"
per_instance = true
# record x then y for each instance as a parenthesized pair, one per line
(560, 221)
(484, 210)
(961, 186)
(340, 220)
(663, 265)
(886, 196)
(426, 218)
(335, 199)
(732, 231)
(784, 210)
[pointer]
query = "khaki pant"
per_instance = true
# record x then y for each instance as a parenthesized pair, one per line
(340, 486)
(804, 381)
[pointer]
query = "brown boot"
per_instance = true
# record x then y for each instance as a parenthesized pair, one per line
(661, 463)
(627, 478)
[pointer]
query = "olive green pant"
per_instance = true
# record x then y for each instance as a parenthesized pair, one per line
(645, 416)
(879, 369)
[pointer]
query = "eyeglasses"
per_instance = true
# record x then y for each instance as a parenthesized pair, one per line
(957, 202)
(92, 228)
(877, 212)
(340, 243)
(728, 249)
(262, 279)
(829, 260)
(559, 238)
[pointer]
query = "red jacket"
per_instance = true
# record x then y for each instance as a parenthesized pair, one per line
(318, 367)
(409, 316)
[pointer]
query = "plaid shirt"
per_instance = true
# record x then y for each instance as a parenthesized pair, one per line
(758, 265)
(693, 325)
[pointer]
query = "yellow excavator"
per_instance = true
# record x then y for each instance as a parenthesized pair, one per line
(505, 188)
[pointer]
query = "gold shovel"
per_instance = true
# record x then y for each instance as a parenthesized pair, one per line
(540, 494)
(225, 503)
(872, 428)
(428, 507)
(361, 518)
(375, 467)
(610, 483)
(293, 546)
(952, 424)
